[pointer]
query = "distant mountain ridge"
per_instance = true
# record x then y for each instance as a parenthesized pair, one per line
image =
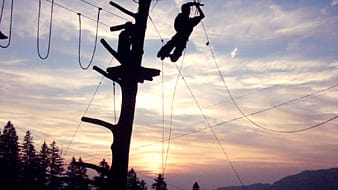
(325, 179)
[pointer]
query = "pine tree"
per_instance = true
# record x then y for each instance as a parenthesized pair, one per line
(29, 163)
(44, 162)
(143, 185)
(77, 174)
(159, 184)
(132, 180)
(102, 180)
(196, 186)
(9, 158)
(55, 168)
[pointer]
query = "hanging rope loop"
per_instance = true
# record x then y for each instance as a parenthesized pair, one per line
(10, 23)
(50, 31)
(95, 43)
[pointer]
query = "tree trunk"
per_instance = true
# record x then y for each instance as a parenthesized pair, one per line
(123, 130)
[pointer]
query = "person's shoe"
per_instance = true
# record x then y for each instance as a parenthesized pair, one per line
(173, 58)
(3, 36)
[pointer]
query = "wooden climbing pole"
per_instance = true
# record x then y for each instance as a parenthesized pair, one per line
(127, 75)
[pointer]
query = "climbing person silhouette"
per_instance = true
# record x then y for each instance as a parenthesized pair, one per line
(184, 26)
(123, 54)
(125, 40)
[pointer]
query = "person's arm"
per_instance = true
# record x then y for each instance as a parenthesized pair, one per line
(201, 14)
(197, 19)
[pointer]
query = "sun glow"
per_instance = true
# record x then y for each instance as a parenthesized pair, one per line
(151, 162)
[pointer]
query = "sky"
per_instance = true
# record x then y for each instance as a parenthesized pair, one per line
(274, 62)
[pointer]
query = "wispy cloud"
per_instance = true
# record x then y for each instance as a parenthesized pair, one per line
(284, 54)
(233, 53)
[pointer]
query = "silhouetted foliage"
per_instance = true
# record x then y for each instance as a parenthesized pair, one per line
(102, 179)
(55, 168)
(29, 163)
(77, 174)
(9, 158)
(133, 183)
(195, 186)
(159, 183)
(44, 160)
(22, 167)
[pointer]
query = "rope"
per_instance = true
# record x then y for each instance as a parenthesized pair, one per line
(50, 31)
(212, 130)
(237, 106)
(86, 111)
(172, 109)
(163, 124)
(226, 155)
(114, 102)
(156, 29)
(95, 43)
(10, 23)
(2, 9)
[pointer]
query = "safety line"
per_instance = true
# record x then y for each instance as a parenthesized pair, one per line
(156, 29)
(235, 103)
(172, 110)
(86, 110)
(212, 130)
(50, 31)
(10, 24)
(163, 112)
(2, 9)
(95, 43)
(261, 111)
(226, 155)
(114, 102)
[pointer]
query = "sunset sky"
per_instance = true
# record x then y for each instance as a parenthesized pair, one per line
(276, 61)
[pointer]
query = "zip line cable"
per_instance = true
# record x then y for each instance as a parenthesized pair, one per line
(212, 130)
(91, 4)
(50, 31)
(86, 110)
(10, 23)
(95, 43)
(71, 10)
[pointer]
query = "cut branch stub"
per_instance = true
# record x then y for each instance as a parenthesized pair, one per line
(109, 76)
(122, 9)
(111, 50)
(102, 123)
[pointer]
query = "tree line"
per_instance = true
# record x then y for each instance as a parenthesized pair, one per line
(22, 167)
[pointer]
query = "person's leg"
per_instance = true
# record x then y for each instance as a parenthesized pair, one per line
(166, 49)
(178, 51)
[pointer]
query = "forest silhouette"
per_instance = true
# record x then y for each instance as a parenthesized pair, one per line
(22, 167)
